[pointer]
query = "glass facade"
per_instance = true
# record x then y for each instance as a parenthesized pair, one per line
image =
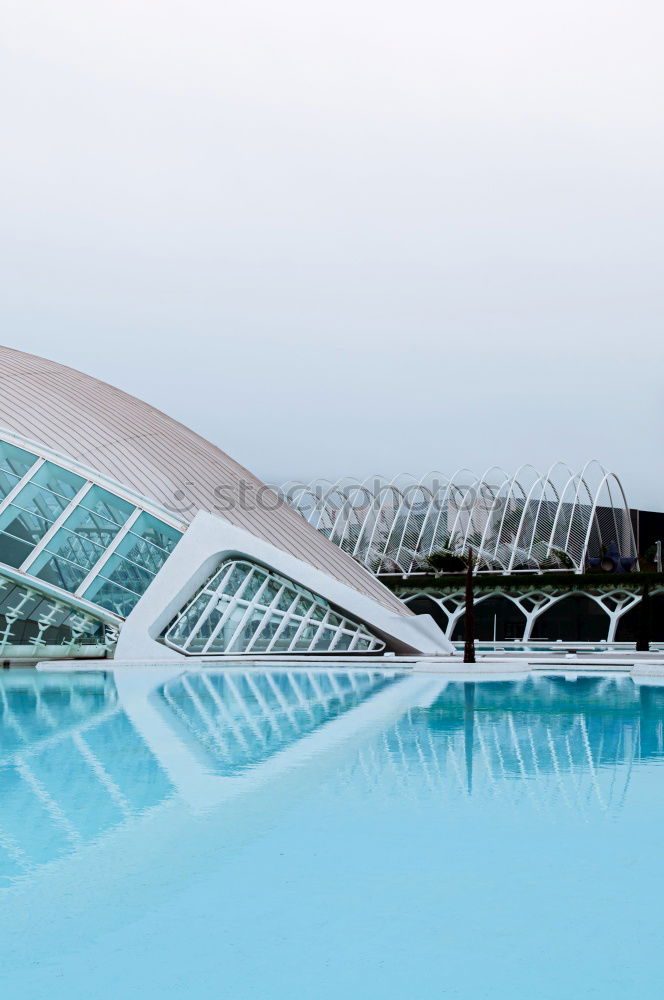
(59, 527)
(31, 622)
(246, 608)
(14, 463)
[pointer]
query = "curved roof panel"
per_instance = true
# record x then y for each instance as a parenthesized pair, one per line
(146, 451)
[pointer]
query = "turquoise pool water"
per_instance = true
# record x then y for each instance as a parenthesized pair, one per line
(329, 834)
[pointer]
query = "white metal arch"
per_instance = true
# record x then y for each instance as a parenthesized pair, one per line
(510, 521)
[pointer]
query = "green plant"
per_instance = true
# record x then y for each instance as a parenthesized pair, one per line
(562, 558)
(446, 561)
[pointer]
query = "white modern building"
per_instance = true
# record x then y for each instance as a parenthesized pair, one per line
(123, 533)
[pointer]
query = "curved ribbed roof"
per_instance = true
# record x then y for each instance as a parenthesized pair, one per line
(522, 521)
(148, 452)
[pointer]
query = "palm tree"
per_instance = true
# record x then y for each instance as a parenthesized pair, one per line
(469, 646)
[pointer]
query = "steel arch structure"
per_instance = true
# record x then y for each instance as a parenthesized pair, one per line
(522, 521)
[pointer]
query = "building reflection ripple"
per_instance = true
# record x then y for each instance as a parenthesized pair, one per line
(82, 754)
(546, 740)
(243, 717)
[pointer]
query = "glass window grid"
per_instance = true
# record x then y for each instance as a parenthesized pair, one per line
(96, 497)
(36, 560)
(54, 479)
(243, 601)
(112, 596)
(60, 572)
(82, 551)
(115, 557)
(25, 524)
(104, 507)
(37, 510)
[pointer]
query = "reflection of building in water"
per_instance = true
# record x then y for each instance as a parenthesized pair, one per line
(72, 766)
(81, 753)
(546, 740)
(241, 717)
(85, 754)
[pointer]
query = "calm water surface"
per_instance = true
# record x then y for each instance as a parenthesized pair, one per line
(319, 834)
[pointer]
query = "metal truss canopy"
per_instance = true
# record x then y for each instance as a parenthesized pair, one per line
(525, 521)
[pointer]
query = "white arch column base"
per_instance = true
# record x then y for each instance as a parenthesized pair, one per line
(614, 603)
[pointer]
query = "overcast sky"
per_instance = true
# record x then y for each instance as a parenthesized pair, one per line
(348, 237)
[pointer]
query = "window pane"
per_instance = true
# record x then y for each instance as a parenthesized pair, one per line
(248, 630)
(23, 525)
(325, 639)
(13, 459)
(52, 477)
(127, 574)
(188, 621)
(107, 504)
(12, 551)
(345, 640)
(148, 527)
(40, 501)
(253, 585)
(144, 553)
(307, 636)
(221, 640)
(236, 579)
(110, 596)
(51, 610)
(265, 637)
(197, 644)
(287, 599)
(73, 548)
(302, 606)
(208, 626)
(271, 591)
(286, 636)
(60, 572)
(7, 483)
(92, 527)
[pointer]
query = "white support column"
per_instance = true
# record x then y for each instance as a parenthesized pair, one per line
(616, 604)
(539, 603)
